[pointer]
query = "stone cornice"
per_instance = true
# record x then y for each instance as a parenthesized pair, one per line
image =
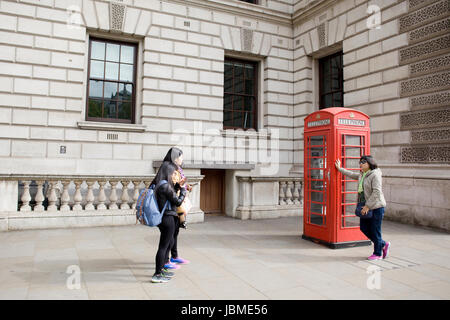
(242, 8)
(310, 9)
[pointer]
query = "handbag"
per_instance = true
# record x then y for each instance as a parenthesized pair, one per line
(358, 209)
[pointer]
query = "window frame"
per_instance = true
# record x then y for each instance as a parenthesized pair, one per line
(341, 79)
(134, 83)
(255, 92)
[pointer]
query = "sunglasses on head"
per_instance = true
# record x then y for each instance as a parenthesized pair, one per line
(362, 161)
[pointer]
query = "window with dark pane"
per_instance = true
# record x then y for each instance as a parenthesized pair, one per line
(250, 1)
(112, 81)
(240, 94)
(331, 81)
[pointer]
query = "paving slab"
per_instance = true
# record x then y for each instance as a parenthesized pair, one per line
(230, 259)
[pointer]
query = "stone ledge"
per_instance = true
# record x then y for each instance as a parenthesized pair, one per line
(109, 126)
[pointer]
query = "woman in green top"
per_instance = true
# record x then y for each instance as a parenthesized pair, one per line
(370, 193)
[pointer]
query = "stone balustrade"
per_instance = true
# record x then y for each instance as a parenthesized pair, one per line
(269, 197)
(56, 201)
(290, 191)
(79, 194)
(76, 201)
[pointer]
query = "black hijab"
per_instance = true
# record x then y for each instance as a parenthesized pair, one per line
(173, 154)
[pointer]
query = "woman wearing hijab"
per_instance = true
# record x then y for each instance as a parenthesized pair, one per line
(175, 156)
(371, 196)
(166, 193)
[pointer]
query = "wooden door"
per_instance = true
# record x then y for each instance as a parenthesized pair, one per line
(212, 191)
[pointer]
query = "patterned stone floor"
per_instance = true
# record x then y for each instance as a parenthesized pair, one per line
(230, 259)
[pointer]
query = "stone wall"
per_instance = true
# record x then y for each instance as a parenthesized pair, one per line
(398, 74)
(182, 45)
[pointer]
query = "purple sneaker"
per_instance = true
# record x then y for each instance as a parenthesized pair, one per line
(171, 266)
(179, 260)
(374, 257)
(386, 249)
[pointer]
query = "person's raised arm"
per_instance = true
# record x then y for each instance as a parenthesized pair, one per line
(352, 174)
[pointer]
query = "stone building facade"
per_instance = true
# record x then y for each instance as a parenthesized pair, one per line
(395, 68)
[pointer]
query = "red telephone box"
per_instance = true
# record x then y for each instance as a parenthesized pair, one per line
(330, 197)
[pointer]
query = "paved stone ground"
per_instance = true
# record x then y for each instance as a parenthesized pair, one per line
(230, 259)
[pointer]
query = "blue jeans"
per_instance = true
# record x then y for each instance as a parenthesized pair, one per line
(372, 229)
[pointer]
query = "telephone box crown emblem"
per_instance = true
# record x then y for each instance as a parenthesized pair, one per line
(318, 116)
(352, 115)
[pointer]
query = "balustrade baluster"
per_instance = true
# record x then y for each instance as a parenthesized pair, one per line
(90, 196)
(39, 197)
(282, 195)
(296, 194)
(125, 197)
(65, 196)
(113, 195)
(52, 198)
(101, 196)
(136, 193)
(26, 197)
(289, 192)
(77, 198)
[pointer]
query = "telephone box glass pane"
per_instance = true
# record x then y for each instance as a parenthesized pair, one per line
(349, 197)
(317, 185)
(317, 141)
(351, 163)
(353, 152)
(316, 152)
(316, 174)
(316, 219)
(317, 196)
(353, 140)
(316, 163)
(349, 210)
(317, 208)
(350, 185)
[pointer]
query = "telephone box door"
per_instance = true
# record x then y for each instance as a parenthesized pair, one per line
(352, 145)
(317, 185)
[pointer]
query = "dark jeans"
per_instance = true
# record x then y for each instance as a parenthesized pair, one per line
(372, 229)
(173, 246)
(167, 228)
